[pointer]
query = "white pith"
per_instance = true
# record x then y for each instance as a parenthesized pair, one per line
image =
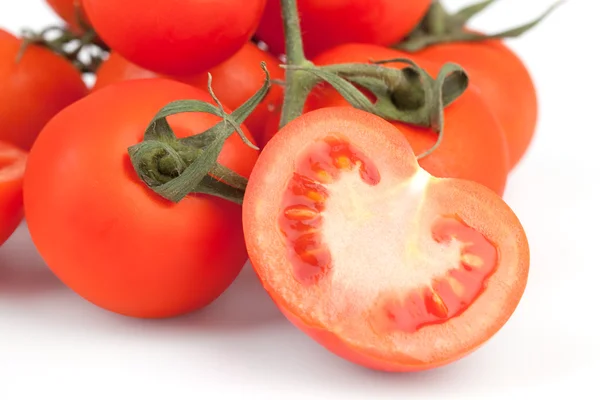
(380, 239)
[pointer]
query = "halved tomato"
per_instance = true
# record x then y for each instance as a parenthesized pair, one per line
(377, 260)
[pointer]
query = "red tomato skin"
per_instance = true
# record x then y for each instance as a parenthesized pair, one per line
(12, 167)
(504, 82)
(185, 39)
(326, 24)
(33, 90)
(67, 10)
(234, 81)
(109, 237)
(474, 145)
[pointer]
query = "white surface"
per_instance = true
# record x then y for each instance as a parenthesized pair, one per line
(54, 343)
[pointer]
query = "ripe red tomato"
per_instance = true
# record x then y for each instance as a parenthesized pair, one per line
(326, 24)
(109, 237)
(474, 145)
(67, 10)
(33, 90)
(234, 81)
(182, 39)
(12, 167)
(378, 261)
(503, 81)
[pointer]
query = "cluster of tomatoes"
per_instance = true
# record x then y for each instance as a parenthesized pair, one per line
(356, 156)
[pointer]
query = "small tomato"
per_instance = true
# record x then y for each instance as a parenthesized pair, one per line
(12, 167)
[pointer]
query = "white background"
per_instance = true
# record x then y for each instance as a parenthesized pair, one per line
(54, 343)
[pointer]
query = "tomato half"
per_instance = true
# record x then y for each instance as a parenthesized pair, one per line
(234, 81)
(33, 90)
(185, 38)
(109, 237)
(68, 11)
(326, 24)
(377, 260)
(503, 81)
(474, 144)
(12, 167)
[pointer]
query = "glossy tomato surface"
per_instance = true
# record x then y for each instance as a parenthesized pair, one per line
(70, 11)
(504, 82)
(12, 168)
(182, 38)
(326, 24)
(234, 81)
(374, 258)
(33, 89)
(473, 146)
(109, 237)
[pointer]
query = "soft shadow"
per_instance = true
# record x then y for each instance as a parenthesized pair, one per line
(23, 273)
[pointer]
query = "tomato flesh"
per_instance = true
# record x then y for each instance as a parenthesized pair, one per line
(379, 261)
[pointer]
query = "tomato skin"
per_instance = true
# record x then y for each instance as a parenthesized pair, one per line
(326, 24)
(12, 168)
(503, 81)
(185, 41)
(480, 207)
(42, 82)
(474, 146)
(234, 81)
(109, 237)
(67, 10)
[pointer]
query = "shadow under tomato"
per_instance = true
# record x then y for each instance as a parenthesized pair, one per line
(23, 273)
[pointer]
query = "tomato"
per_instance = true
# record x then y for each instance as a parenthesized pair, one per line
(474, 144)
(326, 24)
(68, 11)
(108, 236)
(234, 81)
(377, 260)
(12, 167)
(503, 81)
(33, 90)
(182, 39)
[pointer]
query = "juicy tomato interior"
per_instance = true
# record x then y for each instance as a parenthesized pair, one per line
(398, 265)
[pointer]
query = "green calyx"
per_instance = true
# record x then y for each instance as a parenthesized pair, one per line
(408, 95)
(174, 168)
(440, 26)
(68, 45)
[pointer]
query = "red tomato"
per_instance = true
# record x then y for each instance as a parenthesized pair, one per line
(374, 258)
(67, 10)
(109, 237)
(326, 24)
(182, 39)
(474, 144)
(33, 90)
(12, 167)
(234, 81)
(503, 81)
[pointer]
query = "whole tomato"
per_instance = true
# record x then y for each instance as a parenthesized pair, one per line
(473, 146)
(326, 24)
(107, 235)
(12, 168)
(177, 38)
(33, 89)
(70, 11)
(234, 81)
(504, 82)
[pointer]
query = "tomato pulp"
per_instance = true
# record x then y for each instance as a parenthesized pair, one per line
(376, 259)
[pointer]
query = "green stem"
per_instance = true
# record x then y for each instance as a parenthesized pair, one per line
(298, 83)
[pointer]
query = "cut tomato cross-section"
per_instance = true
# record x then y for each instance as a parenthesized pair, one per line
(366, 252)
